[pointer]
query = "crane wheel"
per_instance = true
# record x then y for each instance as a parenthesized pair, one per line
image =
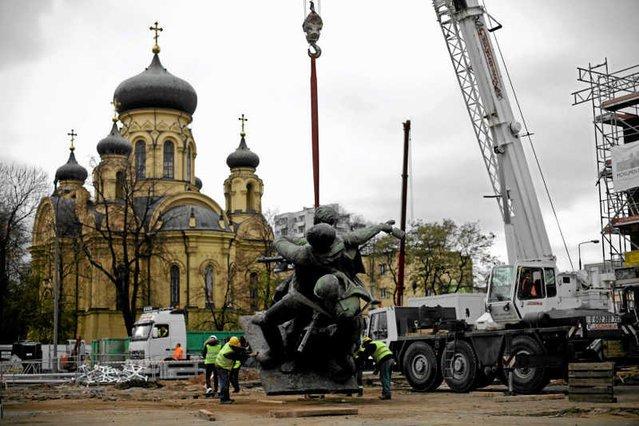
(421, 368)
(528, 380)
(460, 366)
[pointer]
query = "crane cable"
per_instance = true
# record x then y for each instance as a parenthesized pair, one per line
(410, 181)
(532, 147)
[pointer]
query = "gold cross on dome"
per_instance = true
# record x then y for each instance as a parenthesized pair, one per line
(115, 105)
(156, 29)
(243, 120)
(73, 134)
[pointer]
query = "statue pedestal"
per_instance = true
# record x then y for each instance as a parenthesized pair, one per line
(275, 382)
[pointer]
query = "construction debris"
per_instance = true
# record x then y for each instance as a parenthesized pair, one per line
(315, 412)
(103, 374)
(206, 415)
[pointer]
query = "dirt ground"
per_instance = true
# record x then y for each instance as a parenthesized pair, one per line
(179, 402)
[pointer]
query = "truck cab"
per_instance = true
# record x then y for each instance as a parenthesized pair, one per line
(529, 290)
(156, 333)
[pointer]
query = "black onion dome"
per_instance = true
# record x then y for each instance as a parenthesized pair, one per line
(242, 157)
(155, 87)
(71, 170)
(198, 183)
(114, 143)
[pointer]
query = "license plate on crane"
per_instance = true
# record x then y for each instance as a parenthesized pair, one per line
(602, 322)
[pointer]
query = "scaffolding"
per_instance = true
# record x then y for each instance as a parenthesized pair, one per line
(614, 97)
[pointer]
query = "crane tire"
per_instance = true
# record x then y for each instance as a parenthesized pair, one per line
(460, 368)
(421, 367)
(528, 380)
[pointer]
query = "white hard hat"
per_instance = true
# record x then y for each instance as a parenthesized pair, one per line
(213, 336)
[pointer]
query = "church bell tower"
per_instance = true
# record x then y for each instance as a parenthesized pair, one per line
(243, 189)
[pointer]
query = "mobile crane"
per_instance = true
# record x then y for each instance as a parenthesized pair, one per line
(537, 320)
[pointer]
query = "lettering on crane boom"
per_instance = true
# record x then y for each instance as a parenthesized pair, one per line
(490, 60)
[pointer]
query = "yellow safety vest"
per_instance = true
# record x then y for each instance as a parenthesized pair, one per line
(211, 353)
(222, 361)
(237, 365)
(381, 350)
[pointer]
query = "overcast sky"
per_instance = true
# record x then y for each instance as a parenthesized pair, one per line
(382, 62)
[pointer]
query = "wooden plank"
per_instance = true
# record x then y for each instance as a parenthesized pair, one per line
(315, 412)
(597, 381)
(590, 389)
(518, 398)
(585, 374)
(581, 366)
(271, 401)
(206, 415)
(591, 398)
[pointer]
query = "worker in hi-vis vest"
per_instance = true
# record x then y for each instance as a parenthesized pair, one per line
(235, 372)
(211, 348)
(384, 362)
(231, 352)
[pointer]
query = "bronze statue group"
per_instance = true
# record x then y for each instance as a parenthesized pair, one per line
(316, 323)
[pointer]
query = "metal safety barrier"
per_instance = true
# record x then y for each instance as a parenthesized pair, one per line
(87, 371)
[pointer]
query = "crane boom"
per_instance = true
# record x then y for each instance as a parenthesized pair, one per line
(463, 25)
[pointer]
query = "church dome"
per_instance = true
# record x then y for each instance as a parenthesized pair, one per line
(155, 87)
(190, 216)
(114, 143)
(242, 157)
(71, 170)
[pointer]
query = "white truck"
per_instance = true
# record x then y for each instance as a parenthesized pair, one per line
(156, 333)
(468, 306)
(536, 319)
(154, 337)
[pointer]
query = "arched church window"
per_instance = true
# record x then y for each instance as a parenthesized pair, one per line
(189, 160)
(208, 283)
(254, 291)
(140, 159)
(175, 285)
(119, 185)
(249, 198)
(168, 160)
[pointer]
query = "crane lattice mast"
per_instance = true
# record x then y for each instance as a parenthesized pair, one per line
(468, 42)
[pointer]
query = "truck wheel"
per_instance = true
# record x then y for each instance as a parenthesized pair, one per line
(528, 380)
(459, 365)
(421, 367)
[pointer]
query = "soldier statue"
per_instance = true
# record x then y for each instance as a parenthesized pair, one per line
(320, 302)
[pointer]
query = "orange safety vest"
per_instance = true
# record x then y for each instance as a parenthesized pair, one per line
(178, 353)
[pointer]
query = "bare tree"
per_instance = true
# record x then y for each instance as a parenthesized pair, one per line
(121, 233)
(384, 251)
(267, 283)
(248, 283)
(221, 312)
(446, 257)
(21, 188)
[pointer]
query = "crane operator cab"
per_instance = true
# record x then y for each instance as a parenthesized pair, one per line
(528, 290)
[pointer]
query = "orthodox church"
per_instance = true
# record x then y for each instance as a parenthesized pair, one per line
(148, 229)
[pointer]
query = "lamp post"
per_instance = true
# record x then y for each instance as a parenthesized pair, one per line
(579, 248)
(56, 278)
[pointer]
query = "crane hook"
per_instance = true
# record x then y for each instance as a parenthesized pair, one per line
(312, 26)
(316, 51)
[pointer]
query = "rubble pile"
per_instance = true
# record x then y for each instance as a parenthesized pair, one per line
(105, 374)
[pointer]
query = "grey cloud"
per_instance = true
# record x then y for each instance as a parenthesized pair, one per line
(22, 37)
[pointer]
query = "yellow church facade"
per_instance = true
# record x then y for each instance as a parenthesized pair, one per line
(147, 229)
